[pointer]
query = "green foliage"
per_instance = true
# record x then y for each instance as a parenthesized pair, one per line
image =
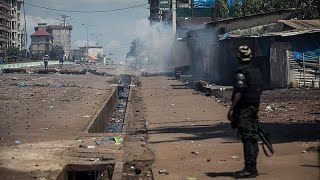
(308, 9)
(304, 9)
(37, 56)
(56, 52)
(221, 9)
(237, 10)
(13, 51)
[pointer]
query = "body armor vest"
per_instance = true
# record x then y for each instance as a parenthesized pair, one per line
(251, 95)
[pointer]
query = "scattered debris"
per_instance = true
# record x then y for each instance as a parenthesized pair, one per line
(17, 142)
(234, 157)
(44, 128)
(195, 152)
(163, 171)
(91, 147)
(23, 84)
(86, 116)
(82, 146)
(269, 108)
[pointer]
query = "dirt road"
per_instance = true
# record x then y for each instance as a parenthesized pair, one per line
(190, 137)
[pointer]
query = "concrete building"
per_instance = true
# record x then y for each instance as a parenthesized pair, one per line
(61, 37)
(41, 40)
(154, 11)
(15, 36)
(5, 22)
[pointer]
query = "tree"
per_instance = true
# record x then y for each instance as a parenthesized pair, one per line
(221, 9)
(13, 51)
(237, 9)
(56, 52)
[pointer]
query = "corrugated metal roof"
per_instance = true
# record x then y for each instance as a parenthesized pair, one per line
(292, 33)
(302, 24)
(283, 34)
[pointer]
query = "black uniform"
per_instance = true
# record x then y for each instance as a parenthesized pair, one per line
(248, 82)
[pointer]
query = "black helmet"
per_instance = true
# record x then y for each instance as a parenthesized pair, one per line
(244, 53)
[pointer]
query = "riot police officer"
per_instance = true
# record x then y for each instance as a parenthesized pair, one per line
(244, 109)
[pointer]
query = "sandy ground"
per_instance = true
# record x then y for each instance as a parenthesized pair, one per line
(43, 116)
(190, 137)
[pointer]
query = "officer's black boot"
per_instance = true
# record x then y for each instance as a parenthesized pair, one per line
(250, 171)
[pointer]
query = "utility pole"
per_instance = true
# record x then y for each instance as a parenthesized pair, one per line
(174, 16)
(24, 35)
(87, 46)
(64, 17)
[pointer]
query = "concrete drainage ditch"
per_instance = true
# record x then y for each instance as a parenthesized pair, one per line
(87, 172)
(110, 117)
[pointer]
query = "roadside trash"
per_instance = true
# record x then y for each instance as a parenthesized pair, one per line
(195, 152)
(269, 108)
(91, 147)
(118, 140)
(86, 116)
(234, 157)
(82, 146)
(143, 144)
(107, 139)
(44, 128)
(304, 151)
(188, 118)
(163, 171)
(23, 84)
(191, 178)
(80, 141)
(17, 142)
(14, 78)
(172, 104)
(50, 106)
(142, 138)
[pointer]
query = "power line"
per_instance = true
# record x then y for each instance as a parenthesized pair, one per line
(77, 11)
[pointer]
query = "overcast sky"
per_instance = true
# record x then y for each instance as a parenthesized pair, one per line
(118, 28)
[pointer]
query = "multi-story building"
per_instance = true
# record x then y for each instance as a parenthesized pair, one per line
(41, 40)
(15, 36)
(5, 22)
(154, 11)
(61, 35)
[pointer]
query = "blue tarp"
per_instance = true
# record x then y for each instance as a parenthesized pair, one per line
(203, 3)
(230, 4)
(308, 55)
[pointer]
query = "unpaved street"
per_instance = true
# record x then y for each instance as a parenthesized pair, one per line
(190, 137)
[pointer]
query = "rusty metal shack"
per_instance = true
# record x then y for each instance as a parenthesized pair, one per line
(214, 58)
